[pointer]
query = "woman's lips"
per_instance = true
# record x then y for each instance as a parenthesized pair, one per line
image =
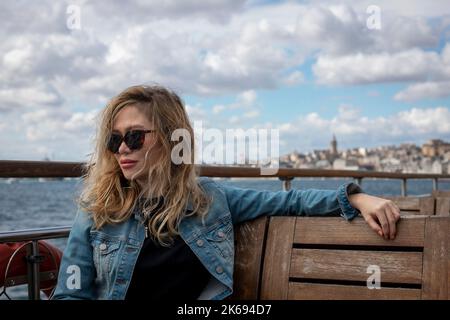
(128, 165)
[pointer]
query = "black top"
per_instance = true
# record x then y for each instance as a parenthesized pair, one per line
(172, 272)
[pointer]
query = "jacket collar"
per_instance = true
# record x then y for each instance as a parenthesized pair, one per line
(137, 212)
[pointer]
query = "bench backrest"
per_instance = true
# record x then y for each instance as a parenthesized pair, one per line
(329, 258)
(437, 204)
(440, 193)
(415, 205)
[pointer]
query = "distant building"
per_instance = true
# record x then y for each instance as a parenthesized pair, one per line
(345, 164)
(435, 147)
(333, 146)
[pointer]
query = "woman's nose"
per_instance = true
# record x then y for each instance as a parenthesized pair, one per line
(123, 148)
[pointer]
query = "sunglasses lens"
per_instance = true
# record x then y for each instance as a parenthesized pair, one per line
(135, 139)
(114, 142)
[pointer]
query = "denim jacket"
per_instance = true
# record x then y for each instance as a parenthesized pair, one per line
(98, 264)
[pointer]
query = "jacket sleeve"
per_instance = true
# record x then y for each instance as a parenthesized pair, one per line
(248, 204)
(77, 271)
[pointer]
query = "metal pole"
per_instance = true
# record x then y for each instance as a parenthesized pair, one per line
(404, 188)
(359, 181)
(33, 271)
(435, 184)
(286, 182)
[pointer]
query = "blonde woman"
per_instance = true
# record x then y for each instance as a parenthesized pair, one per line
(150, 228)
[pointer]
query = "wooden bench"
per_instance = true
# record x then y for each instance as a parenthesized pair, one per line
(436, 204)
(442, 202)
(440, 193)
(414, 205)
(293, 258)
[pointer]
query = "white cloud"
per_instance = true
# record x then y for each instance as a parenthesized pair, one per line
(247, 97)
(218, 108)
(251, 114)
(293, 78)
(28, 97)
(424, 90)
(313, 131)
(54, 124)
(410, 8)
(206, 48)
(195, 113)
(410, 65)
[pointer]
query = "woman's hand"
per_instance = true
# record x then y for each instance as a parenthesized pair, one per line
(381, 214)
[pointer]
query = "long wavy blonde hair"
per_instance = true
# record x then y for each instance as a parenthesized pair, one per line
(111, 198)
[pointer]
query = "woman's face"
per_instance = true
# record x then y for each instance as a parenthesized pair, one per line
(131, 118)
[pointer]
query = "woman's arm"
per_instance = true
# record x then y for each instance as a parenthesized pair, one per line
(347, 201)
(247, 204)
(77, 270)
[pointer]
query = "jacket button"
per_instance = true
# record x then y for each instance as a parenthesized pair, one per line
(200, 242)
(219, 269)
(221, 234)
(103, 246)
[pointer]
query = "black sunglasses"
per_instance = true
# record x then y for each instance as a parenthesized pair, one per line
(134, 139)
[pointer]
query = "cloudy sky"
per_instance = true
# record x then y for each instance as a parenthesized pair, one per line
(372, 76)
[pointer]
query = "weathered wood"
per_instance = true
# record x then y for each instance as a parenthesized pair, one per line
(410, 213)
(436, 256)
(443, 207)
(396, 267)
(440, 193)
(277, 259)
(302, 252)
(314, 291)
(410, 205)
(250, 242)
(331, 230)
(427, 205)
(406, 203)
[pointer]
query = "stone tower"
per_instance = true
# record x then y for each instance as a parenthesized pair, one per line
(333, 146)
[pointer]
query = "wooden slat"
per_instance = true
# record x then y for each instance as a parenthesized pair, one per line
(427, 205)
(318, 230)
(277, 258)
(396, 267)
(313, 291)
(443, 207)
(440, 193)
(410, 213)
(424, 205)
(436, 255)
(406, 203)
(250, 237)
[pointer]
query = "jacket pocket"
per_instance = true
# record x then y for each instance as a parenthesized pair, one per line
(221, 238)
(105, 250)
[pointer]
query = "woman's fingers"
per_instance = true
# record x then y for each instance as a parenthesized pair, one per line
(392, 222)
(384, 222)
(374, 225)
(396, 211)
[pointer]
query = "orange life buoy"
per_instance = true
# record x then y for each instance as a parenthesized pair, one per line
(13, 263)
